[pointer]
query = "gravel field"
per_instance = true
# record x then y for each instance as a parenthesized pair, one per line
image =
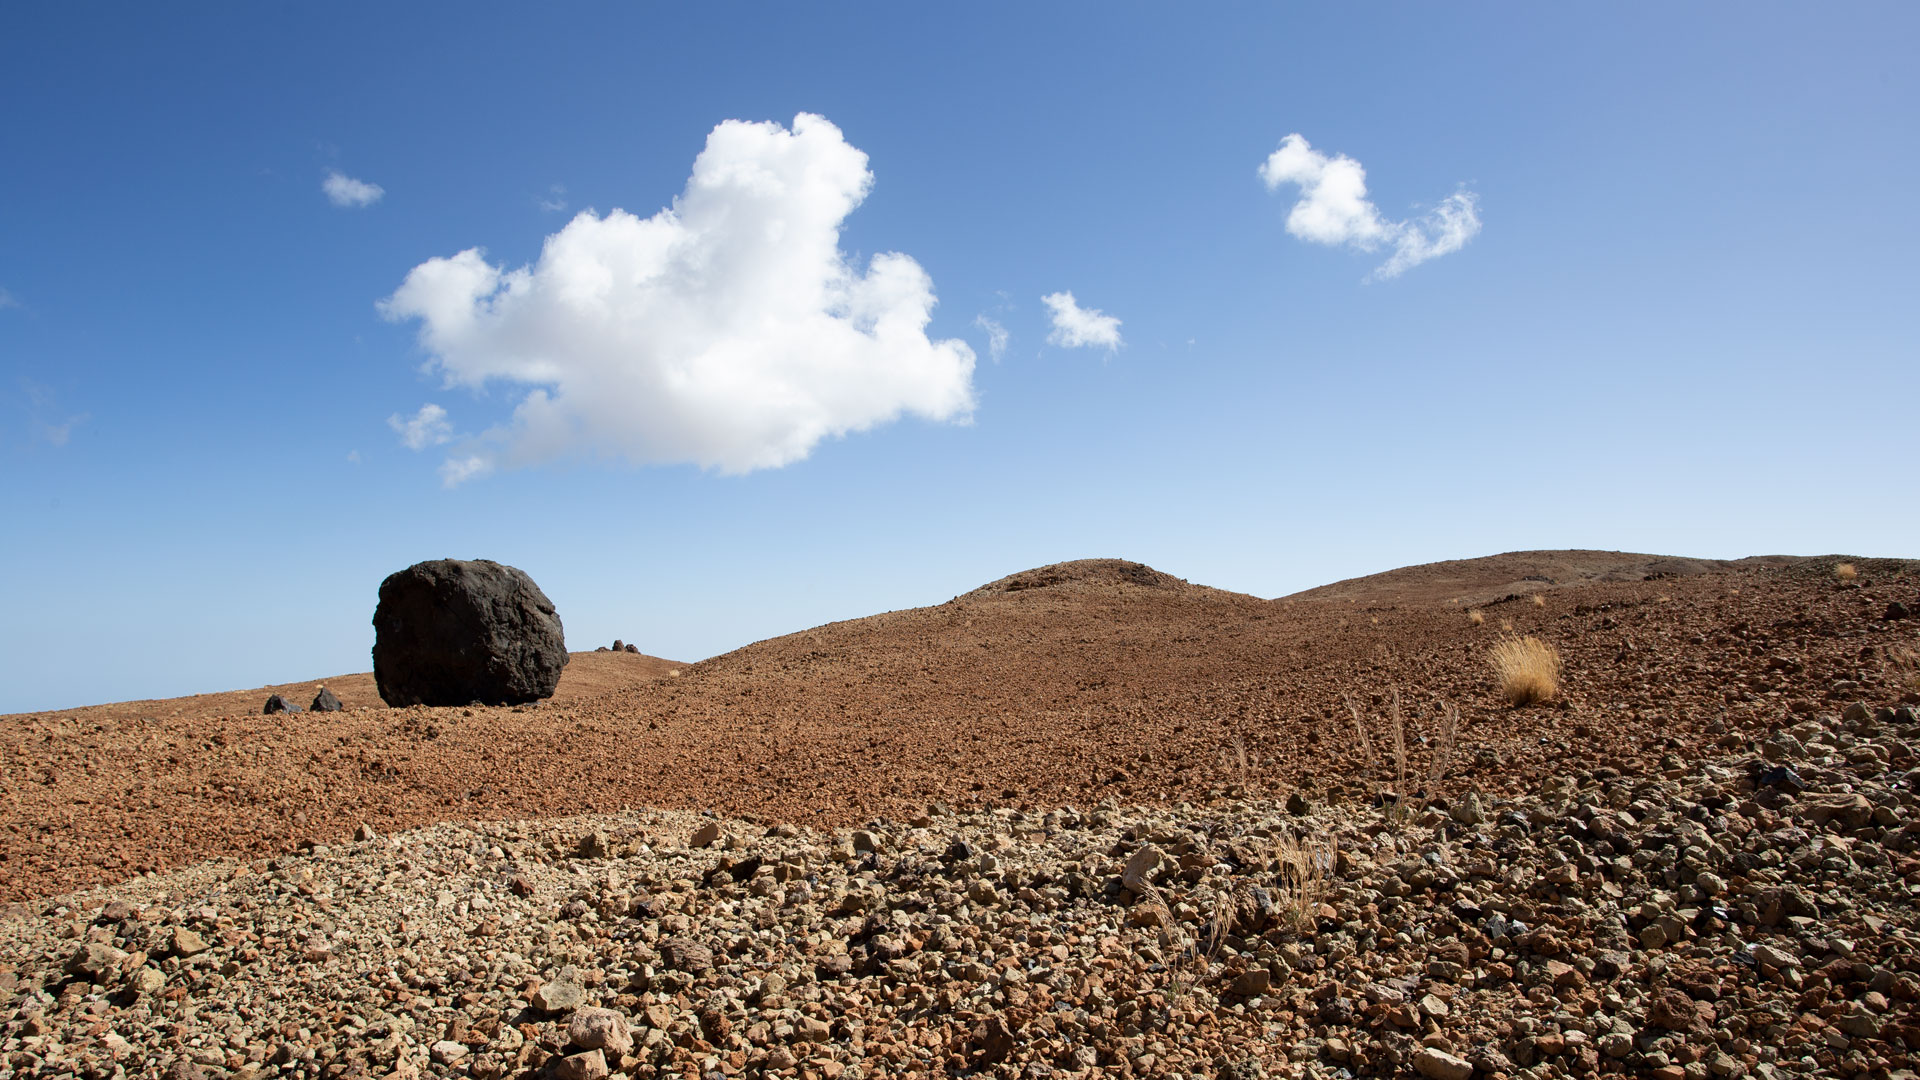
(1699, 863)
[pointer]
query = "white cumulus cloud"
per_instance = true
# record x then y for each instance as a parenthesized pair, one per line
(428, 427)
(1333, 209)
(1076, 327)
(344, 190)
(727, 331)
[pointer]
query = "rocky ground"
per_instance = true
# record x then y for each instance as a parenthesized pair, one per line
(1066, 685)
(1748, 914)
(1700, 863)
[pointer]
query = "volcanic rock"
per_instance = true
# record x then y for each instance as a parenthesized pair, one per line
(278, 704)
(453, 632)
(325, 701)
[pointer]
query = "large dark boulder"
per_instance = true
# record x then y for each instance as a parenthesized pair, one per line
(453, 632)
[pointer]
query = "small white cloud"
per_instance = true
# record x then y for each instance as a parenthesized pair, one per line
(555, 200)
(428, 427)
(457, 471)
(1333, 209)
(344, 190)
(728, 331)
(996, 336)
(1077, 327)
(353, 457)
(8, 300)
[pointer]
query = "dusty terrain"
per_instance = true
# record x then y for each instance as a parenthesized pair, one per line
(1061, 685)
(1043, 829)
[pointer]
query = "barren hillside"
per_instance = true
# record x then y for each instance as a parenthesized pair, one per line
(1061, 685)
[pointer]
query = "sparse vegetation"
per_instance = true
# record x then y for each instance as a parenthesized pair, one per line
(1539, 600)
(1903, 665)
(1845, 572)
(1304, 867)
(1233, 758)
(1506, 626)
(1475, 617)
(1360, 732)
(1397, 724)
(1445, 742)
(1527, 669)
(1397, 798)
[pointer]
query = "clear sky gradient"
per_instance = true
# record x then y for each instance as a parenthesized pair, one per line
(1678, 314)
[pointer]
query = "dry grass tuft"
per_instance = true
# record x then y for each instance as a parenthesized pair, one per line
(1506, 626)
(1397, 723)
(1304, 868)
(1445, 742)
(1360, 732)
(1527, 668)
(1477, 619)
(1539, 600)
(1845, 572)
(1903, 665)
(1235, 761)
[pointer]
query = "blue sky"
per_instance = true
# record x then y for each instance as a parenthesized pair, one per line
(1679, 319)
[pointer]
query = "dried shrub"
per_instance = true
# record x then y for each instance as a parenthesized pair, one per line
(1233, 759)
(1527, 669)
(1474, 617)
(1360, 732)
(1845, 572)
(1187, 962)
(1446, 741)
(1903, 666)
(1303, 868)
(1397, 725)
(1539, 600)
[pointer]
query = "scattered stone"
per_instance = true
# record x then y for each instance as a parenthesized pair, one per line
(559, 996)
(599, 1029)
(1437, 1064)
(278, 704)
(325, 701)
(591, 1065)
(706, 835)
(682, 954)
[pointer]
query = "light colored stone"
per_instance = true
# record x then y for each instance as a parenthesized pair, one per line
(1436, 1064)
(599, 1029)
(591, 1065)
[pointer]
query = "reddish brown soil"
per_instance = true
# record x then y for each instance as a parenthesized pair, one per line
(1066, 684)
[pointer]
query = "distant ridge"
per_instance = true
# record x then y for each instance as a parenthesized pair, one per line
(1491, 577)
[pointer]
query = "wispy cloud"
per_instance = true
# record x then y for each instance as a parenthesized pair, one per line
(344, 190)
(555, 200)
(996, 336)
(457, 471)
(1333, 210)
(41, 401)
(428, 427)
(1078, 327)
(8, 300)
(730, 331)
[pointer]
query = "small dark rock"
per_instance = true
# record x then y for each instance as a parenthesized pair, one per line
(278, 704)
(1898, 610)
(325, 701)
